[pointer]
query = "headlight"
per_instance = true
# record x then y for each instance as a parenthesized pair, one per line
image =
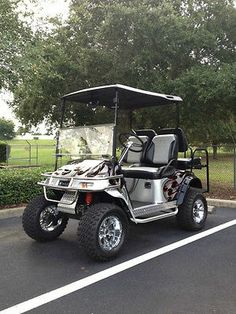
(85, 185)
(77, 184)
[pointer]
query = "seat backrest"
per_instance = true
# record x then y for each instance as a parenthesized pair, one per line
(162, 149)
(146, 132)
(182, 141)
(136, 157)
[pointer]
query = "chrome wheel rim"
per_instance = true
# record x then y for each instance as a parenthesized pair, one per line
(198, 211)
(49, 218)
(110, 233)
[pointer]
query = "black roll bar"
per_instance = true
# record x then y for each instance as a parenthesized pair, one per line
(58, 132)
(177, 115)
(201, 149)
(116, 102)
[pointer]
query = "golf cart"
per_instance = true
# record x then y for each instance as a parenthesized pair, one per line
(148, 182)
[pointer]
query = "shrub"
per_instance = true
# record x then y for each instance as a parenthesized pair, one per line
(19, 185)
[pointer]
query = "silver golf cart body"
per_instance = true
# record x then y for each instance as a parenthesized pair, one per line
(154, 182)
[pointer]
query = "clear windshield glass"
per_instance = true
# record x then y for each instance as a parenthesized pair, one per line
(87, 141)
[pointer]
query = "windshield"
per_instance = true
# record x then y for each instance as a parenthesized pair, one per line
(87, 141)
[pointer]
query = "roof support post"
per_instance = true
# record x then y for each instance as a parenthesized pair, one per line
(62, 112)
(114, 139)
(58, 132)
(130, 115)
(177, 115)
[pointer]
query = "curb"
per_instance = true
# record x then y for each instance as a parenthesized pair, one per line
(221, 203)
(11, 212)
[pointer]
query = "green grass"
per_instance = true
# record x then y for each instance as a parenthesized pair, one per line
(221, 170)
(42, 152)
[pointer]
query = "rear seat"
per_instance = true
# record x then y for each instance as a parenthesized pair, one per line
(189, 163)
(183, 163)
(159, 153)
(159, 150)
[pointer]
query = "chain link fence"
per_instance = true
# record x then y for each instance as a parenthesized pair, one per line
(27, 154)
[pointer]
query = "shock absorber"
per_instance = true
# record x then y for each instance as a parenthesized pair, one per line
(88, 198)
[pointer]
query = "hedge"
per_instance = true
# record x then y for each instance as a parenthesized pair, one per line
(19, 185)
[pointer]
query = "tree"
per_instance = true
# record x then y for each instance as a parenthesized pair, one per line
(6, 129)
(209, 113)
(14, 34)
(157, 45)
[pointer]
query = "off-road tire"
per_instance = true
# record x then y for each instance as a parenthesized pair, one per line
(185, 216)
(31, 224)
(88, 230)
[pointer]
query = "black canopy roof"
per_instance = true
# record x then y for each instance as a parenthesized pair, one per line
(129, 97)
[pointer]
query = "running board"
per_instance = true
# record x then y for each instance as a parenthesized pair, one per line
(153, 218)
(154, 212)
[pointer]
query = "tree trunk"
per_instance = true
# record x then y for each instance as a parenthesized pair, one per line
(214, 146)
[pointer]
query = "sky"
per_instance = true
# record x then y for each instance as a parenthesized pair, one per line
(43, 9)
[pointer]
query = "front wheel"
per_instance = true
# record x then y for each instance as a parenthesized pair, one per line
(42, 221)
(193, 212)
(102, 231)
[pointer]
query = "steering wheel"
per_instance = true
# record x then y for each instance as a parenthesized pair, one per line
(123, 139)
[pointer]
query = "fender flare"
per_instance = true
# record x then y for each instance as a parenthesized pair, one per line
(189, 181)
(121, 197)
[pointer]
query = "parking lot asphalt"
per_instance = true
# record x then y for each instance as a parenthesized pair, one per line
(195, 278)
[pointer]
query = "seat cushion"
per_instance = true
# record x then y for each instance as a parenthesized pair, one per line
(188, 163)
(149, 173)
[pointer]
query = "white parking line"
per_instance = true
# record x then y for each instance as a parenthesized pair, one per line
(79, 284)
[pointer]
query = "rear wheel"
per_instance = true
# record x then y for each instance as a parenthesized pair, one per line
(42, 221)
(193, 212)
(102, 231)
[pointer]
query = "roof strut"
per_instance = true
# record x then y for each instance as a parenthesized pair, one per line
(58, 132)
(177, 115)
(116, 102)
